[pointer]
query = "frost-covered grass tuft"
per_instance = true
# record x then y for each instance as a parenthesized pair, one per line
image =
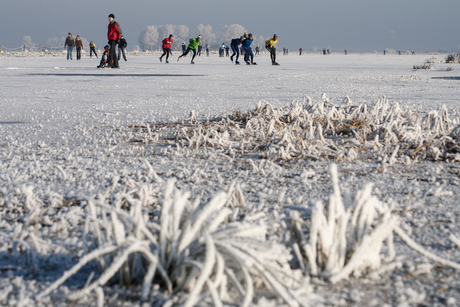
(351, 238)
(345, 238)
(324, 131)
(192, 252)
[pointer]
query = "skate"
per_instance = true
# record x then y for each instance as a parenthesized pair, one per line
(167, 61)
(248, 63)
(192, 62)
(161, 61)
(274, 63)
(254, 63)
(237, 63)
(178, 59)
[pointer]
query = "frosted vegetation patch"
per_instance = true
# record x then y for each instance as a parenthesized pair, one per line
(381, 131)
(171, 247)
(204, 252)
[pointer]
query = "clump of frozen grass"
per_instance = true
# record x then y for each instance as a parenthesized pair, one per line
(192, 253)
(345, 238)
(324, 131)
(348, 238)
(453, 58)
(423, 66)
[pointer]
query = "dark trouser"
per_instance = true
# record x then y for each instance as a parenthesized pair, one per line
(113, 59)
(272, 54)
(91, 50)
(187, 51)
(166, 52)
(120, 51)
(78, 53)
(248, 55)
(236, 51)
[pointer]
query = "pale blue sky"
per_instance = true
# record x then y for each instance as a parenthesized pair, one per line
(356, 25)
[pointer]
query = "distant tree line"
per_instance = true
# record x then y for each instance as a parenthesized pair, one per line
(152, 36)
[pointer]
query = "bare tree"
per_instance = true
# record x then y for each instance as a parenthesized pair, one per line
(27, 41)
(148, 39)
(207, 37)
(259, 41)
(230, 32)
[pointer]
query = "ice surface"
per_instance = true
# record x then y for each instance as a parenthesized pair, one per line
(71, 132)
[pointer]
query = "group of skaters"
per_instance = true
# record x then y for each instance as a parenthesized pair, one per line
(194, 48)
(115, 37)
(71, 43)
(109, 57)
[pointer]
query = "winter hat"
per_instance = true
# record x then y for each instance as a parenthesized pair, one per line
(199, 37)
(275, 36)
(170, 35)
(111, 15)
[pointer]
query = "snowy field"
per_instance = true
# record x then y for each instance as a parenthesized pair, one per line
(126, 159)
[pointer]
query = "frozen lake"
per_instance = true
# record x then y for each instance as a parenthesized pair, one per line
(68, 129)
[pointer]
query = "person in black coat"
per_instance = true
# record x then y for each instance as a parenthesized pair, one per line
(121, 48)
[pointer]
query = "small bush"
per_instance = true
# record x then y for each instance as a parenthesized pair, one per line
(453, 58)
(424, 66)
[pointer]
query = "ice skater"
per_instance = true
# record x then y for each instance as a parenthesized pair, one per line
(69, 44)
(122, 44)
(270, 46)
(234, 44)
(192, 45)
(167, 48)
(78, 46)
(248, 54)
(113, 35)
(92, 48)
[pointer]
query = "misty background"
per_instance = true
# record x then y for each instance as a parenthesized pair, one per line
(355, 25)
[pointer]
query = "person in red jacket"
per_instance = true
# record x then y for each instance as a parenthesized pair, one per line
(113, 35)
(167, 47)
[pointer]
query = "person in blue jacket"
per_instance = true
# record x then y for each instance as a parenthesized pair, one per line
(234, 45)
(248, 55)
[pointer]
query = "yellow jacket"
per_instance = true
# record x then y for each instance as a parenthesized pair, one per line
(269, 43)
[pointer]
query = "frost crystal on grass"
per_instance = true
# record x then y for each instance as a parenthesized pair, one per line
(190, 252)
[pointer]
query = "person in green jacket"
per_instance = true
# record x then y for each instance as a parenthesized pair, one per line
(192, 45)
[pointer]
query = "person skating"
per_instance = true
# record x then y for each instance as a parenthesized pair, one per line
(270, 45)
(92, 48)
(78, 46)
(113, 35)
(184, 48)
(69, 44)
(248, 54)
(192, 45)
(122, 44)
(234, 44)
(167, 47)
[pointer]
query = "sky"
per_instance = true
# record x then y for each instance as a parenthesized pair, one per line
(355, 25)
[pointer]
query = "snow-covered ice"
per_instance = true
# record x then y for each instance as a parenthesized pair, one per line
(71, 133)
